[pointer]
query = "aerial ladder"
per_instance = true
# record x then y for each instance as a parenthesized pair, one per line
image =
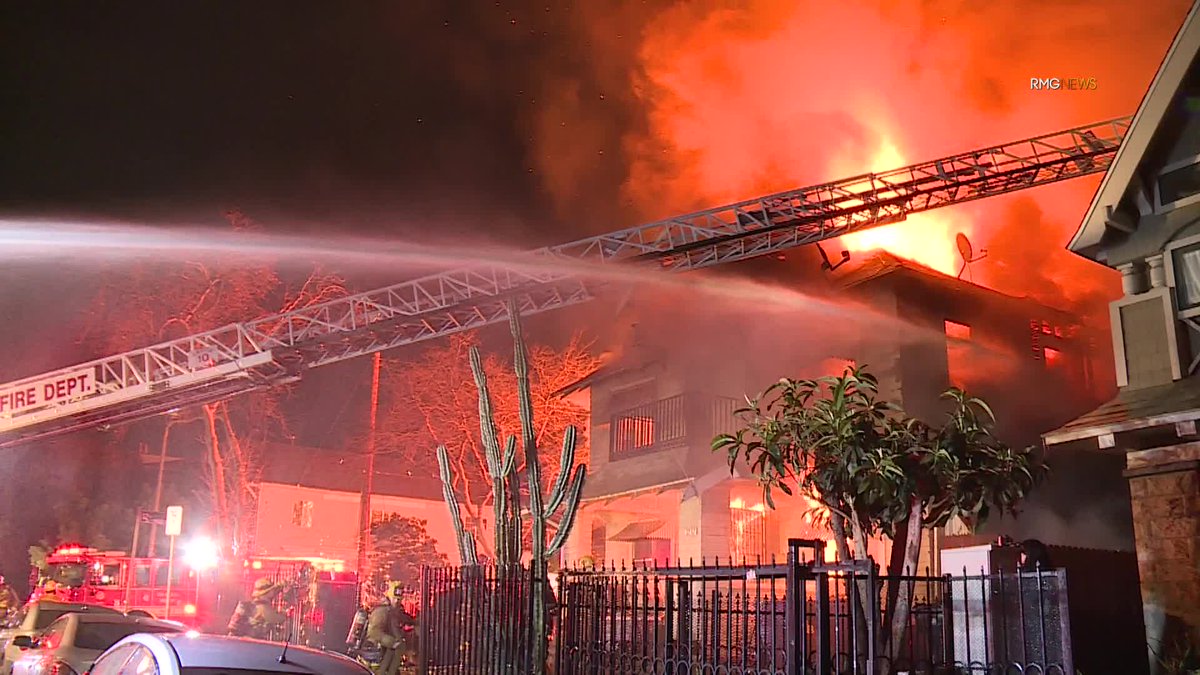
(278, 349)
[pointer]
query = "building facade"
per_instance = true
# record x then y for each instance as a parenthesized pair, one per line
(309, 505)
(657, 492)
(1145, 222)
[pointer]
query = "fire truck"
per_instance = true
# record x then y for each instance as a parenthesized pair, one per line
(76, 573)
(318, 598)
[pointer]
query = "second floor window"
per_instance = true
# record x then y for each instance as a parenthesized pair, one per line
(1185, 261)
(302, 514)
(633, 432)
(650, 427)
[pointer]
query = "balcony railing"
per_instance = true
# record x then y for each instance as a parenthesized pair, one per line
(664, 424)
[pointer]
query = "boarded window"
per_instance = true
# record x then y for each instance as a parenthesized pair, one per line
(302, 514)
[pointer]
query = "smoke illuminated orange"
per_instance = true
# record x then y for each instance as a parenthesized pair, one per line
(745, 99)
(925, 238)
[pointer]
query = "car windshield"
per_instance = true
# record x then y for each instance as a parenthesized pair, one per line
(100, 636)
(68, 574)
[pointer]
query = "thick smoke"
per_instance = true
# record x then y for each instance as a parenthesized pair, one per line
(1027, 253)
(741, 99)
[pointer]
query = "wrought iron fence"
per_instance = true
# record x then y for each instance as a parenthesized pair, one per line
(476, 620)
(795, 618)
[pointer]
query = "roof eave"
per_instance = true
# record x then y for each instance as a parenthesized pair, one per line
(1150, 113)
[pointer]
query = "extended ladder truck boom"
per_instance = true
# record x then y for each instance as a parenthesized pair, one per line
(276, 349)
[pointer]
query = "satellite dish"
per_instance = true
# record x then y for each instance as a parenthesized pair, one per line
(967, 251)
(828, 265)
(964, 246)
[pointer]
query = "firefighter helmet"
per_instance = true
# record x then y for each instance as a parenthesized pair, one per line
(394, 590)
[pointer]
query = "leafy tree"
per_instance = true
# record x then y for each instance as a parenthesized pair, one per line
(877, 471)
(400, 547)
(431, 401)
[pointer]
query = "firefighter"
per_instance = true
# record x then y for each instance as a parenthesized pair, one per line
(257, 617)
(1035, 556)
(386, 627)
(9, 602)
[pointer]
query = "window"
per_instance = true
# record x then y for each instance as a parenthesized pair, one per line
(1052, 357)
(652, 551)
(1177, 184)
(749, 534)
(633, 433)
(652, 426)
(599, 542)
(102, 635)
(958, 352)
(1185, 265)
(302, 514)
(110, 663)
(380, 516)
(140, 663)
(52, 638)
(45, 617)
(958, 331)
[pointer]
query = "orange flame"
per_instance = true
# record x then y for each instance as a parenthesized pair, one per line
(924, 238)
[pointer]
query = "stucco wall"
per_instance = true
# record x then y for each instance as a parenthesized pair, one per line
(335, 516)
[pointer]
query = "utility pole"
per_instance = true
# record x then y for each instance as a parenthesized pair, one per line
(368, 487)
(162, 463)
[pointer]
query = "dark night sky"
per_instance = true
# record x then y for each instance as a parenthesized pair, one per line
(412, 119)
(366, 115)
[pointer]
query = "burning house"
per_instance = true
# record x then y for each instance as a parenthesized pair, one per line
(1145, 222)
(657, 492)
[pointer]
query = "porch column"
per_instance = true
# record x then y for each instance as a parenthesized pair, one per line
(1164, 485)
(704, 525)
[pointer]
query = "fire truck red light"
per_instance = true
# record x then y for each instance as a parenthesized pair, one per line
(190, 610)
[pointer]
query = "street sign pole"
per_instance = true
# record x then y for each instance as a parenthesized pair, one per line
(174, 526)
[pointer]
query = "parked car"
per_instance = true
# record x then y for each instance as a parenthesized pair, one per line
(70, 645)
(33, 619)
(195, 654)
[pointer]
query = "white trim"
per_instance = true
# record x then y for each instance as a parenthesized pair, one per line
(1118, 339)
(1150, 114)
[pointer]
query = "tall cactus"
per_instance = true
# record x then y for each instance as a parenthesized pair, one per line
(563, 499)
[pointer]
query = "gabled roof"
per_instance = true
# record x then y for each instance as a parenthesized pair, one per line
(882, 264)
(1145, 125)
